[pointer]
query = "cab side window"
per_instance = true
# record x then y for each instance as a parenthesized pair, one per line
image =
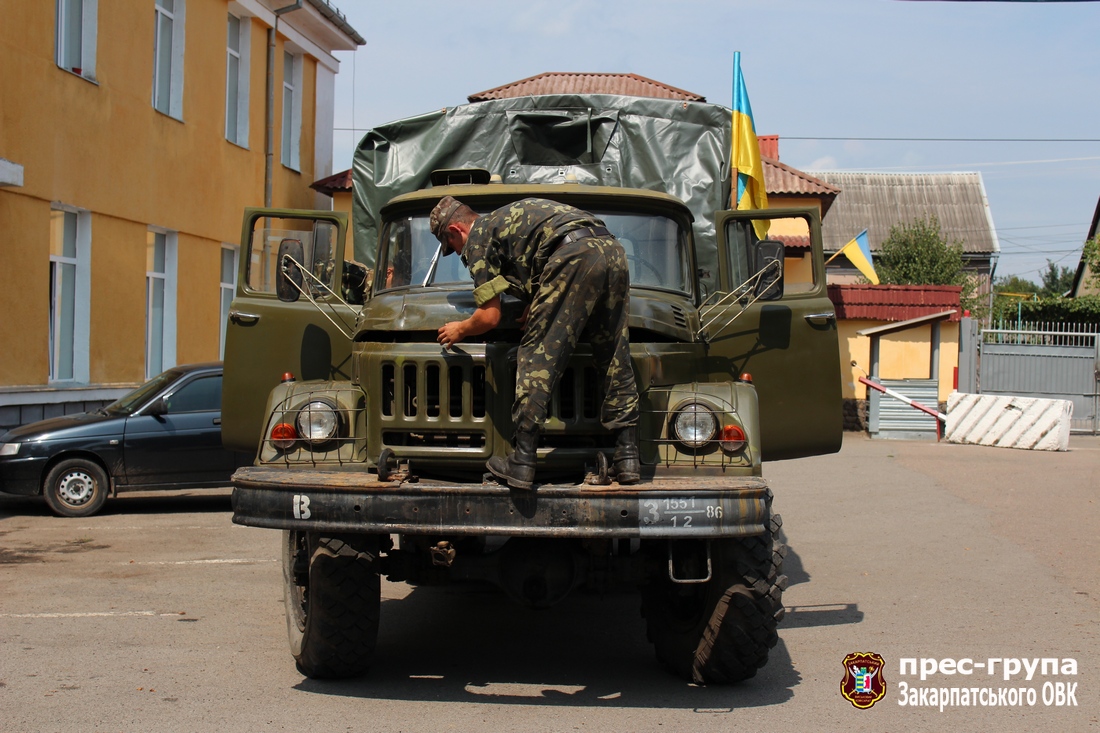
(199, 395)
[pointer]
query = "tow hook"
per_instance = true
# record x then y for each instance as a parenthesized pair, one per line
(687, 561)
(443, 554)
(601, 476)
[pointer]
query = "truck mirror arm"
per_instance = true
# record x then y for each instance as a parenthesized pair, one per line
(749, 286)
(346, 329)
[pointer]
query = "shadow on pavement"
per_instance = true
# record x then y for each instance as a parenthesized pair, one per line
(472, 644)
(190, 501)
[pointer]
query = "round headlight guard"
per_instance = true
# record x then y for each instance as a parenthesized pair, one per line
(694, 425)
(317, 422)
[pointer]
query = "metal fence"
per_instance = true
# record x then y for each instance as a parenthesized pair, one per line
(1048, 360)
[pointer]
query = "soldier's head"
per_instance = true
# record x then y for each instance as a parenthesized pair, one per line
(450, 222)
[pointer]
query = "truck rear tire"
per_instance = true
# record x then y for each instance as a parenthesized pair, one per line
(720, 632)
(332, 591)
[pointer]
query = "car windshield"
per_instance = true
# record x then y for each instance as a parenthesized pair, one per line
(656, 251)
(127, 404)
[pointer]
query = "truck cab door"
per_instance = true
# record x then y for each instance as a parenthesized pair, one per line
(787, 339)
(267, 337)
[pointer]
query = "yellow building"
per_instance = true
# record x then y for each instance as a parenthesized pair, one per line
(132, 135)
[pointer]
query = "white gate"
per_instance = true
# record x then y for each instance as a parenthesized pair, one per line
(1048, 360)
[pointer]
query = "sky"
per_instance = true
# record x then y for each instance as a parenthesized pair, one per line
(824, 75)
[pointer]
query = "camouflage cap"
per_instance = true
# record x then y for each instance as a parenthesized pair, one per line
(441, 217)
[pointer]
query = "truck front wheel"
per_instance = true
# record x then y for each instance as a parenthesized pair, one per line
(332, 591)
(720, 632)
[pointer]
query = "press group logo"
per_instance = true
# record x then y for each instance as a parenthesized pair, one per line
(863, 684)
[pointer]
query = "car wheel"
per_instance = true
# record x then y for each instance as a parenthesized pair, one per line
(76, 487)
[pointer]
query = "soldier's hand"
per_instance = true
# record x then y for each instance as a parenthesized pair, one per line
(450, 334)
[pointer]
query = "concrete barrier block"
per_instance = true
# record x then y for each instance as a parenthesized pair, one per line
(1003, 421)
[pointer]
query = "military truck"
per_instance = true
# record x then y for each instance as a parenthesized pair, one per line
(371, 439)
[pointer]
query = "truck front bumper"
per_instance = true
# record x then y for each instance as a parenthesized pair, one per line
(356, 502)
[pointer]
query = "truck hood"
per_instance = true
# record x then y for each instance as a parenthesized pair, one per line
(427, 309)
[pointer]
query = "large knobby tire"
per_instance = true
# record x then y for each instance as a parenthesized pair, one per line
(332, 602)
(76, 487)
(720, 632)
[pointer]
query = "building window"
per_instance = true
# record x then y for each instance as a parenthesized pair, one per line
(76, 36)
(236, 80)
(168, 57)
(70, 243)
(228, 286)
(292, 109)
(160, 302)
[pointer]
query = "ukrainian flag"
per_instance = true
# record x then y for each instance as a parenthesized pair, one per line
(858, 252)
(745, 154)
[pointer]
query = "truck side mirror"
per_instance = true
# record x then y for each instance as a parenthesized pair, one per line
(768, 255)
(356, 282)
(288, 280)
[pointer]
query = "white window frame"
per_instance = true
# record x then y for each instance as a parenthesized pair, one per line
(89, 12)
(168, 314)
(292, 117)
(238, 135)
(81, 300)
(227, 289)
(173, 104)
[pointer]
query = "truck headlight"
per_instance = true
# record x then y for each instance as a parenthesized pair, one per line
(317, 422)
(694, 425)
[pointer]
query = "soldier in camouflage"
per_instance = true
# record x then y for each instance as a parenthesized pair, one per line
(573, 275)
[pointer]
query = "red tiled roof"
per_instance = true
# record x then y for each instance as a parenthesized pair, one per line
(569, 82)
(780, 178)
(893, 302)
(792, 241)
(336, 182)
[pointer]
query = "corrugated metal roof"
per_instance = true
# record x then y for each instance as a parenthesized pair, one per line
(878, 201)
(893, 302)
(568, 82)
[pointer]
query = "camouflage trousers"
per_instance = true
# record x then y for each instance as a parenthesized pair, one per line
(583, 292)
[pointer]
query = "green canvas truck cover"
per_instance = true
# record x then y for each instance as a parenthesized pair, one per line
(676, 147)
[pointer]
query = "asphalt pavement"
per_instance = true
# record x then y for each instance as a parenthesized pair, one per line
(161, 615)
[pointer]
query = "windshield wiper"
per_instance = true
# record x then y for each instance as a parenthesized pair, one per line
(431, 268)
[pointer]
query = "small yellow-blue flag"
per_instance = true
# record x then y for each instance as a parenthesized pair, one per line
(745, 153)
(858, 252)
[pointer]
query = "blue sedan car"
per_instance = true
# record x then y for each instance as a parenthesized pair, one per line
(166, 434)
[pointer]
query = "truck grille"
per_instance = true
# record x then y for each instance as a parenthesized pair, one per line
(428, 401)
(433, 390)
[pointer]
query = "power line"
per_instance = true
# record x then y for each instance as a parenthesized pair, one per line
(953, 139)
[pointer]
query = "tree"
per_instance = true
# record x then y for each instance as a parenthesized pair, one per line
(1056, 280)
(918, 254)
(1015, 285)
(1009, 291)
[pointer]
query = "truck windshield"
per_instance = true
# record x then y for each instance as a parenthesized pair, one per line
(656, 250)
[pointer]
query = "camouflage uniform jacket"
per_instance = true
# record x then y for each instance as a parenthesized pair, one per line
(507, 249)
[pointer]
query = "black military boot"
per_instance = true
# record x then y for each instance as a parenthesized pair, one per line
(518, 469)
(626, 462)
